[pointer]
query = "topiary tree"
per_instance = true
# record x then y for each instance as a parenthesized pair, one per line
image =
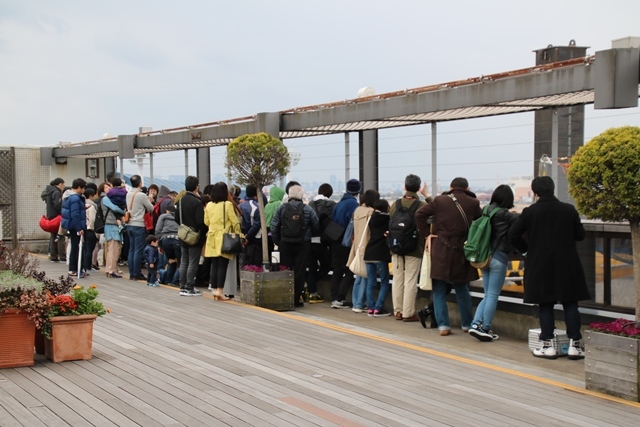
(604, 181)
(258, 159)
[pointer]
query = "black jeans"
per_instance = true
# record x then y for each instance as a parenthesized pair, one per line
(218, 272)
(319, 254)
(342, 277)
(90, 242)
(74, 267)
(189, 265)
(571, 319)
(294, 256)
(172, 251)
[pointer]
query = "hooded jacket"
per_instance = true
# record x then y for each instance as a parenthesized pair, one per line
(54, 201)
(275, 199)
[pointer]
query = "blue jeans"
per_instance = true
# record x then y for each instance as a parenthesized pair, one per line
(137, 236)
(357, 294)
(492, 280)
(440, 303)
(375, 270)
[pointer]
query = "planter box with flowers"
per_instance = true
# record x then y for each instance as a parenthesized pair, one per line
(611, 360)
(23, 307)
(69, 330)
(267, 289)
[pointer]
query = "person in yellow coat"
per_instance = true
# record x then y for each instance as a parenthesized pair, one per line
(220, 217)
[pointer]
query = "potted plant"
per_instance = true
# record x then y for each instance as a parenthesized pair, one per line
(23, 307)
(69, 329)
(611, 360)
(603, 181)
(259, 159)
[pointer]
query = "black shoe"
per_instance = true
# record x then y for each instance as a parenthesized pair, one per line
(299, 304)
(424, 314)
(140, 277)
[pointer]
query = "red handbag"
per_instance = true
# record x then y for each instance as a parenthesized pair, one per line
(50, 225)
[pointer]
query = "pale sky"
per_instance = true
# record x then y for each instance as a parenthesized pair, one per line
(73, 70)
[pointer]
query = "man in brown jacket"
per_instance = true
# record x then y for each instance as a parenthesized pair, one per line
(453, 212)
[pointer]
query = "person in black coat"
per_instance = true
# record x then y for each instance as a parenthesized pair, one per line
(190, 212)
(377, 257)
(553, 272)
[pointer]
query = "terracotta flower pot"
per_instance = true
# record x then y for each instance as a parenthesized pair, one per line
(71, 338)
(17, 335)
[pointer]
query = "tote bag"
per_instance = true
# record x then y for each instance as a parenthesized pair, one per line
(231, 242)
(357, 264)
(425, 283)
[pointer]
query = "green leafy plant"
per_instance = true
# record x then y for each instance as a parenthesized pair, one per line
(81, 300)
(24, 288)
(258, 159)
(24, 294)
(605, 183)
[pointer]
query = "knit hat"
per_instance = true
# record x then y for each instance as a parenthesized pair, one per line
(353, 186)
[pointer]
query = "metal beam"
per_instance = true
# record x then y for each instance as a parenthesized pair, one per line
(490, 93)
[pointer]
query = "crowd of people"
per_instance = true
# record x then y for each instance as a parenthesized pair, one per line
(322, 236)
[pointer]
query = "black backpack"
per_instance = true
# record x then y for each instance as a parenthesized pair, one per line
(101, 217)
(292, 225)
(403, 232)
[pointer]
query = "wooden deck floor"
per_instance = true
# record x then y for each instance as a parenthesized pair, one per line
(164, 360)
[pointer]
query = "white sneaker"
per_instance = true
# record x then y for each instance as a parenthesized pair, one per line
(357, 310)
(576, 351)
(546, 351)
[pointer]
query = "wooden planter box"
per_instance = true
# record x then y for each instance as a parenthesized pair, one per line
(17, 335)
(272, 290)
(611, 365)
(71, 338)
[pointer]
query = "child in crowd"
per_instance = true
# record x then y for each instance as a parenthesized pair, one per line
(118, 195)
(151, 259)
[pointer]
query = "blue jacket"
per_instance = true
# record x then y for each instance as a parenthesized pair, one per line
(74, 215)
(250, 225)
(343, 211)
(151, 255)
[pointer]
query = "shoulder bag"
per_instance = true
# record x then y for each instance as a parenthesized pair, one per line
(127, 214)
(231, 242)
(357, 265)
(185, 233)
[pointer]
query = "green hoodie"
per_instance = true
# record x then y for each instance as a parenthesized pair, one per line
(275, 199)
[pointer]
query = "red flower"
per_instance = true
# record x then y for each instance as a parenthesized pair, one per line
(622, 327)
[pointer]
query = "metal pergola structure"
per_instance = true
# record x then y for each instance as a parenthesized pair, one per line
(610, 79)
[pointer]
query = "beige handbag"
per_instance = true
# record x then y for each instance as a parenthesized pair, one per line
(357, 264)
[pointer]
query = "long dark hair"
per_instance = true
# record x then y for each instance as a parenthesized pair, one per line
(502, 196)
